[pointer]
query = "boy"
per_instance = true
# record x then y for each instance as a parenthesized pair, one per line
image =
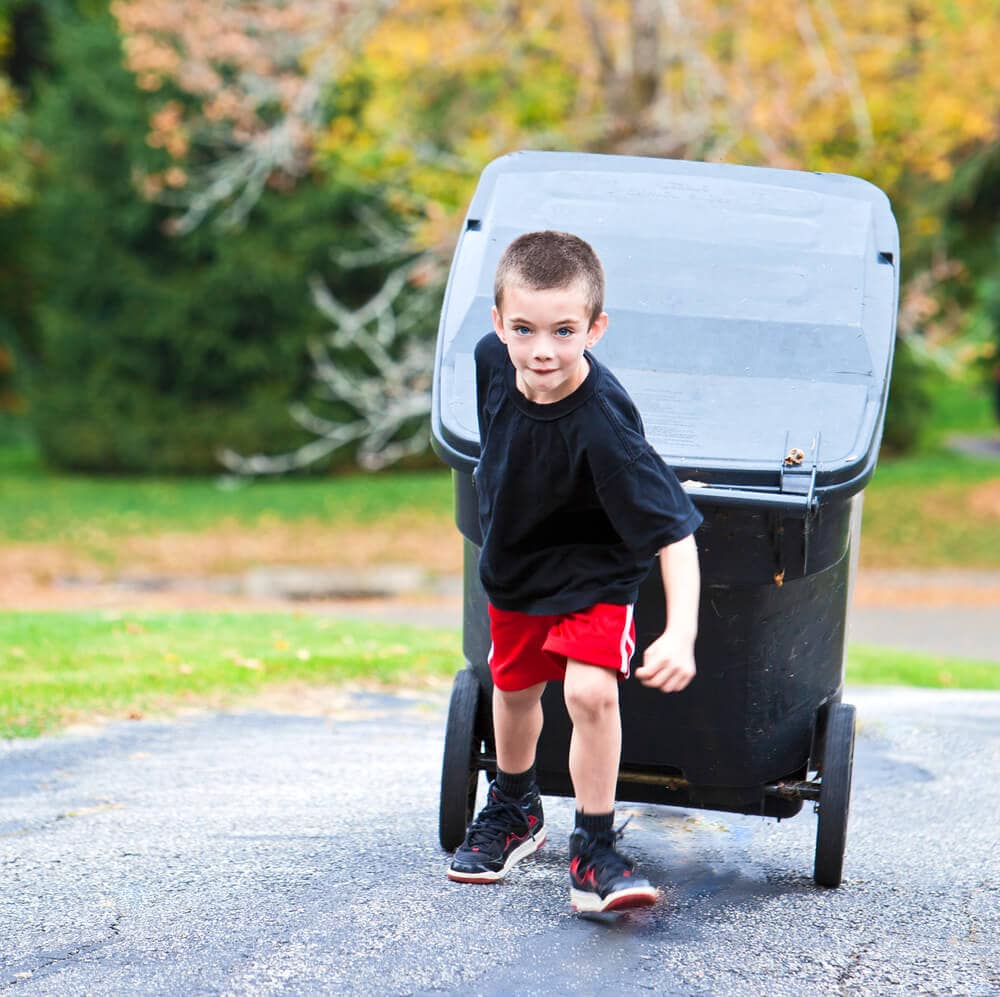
(574, 505)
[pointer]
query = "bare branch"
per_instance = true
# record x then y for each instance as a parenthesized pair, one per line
(849, 75)
(390, 399)
(605, 59)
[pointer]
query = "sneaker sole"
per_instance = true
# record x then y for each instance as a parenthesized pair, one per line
(636, 896)
(489, 876)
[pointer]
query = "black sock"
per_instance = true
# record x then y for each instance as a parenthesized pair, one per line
(595, 823)
(515, 785)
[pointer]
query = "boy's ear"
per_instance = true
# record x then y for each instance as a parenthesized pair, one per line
(596, 330)
(498, 324)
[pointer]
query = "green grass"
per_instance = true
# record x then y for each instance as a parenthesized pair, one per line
(63, 666)
(961, 405)
(919, 513)
(44, 505)
(868, 665)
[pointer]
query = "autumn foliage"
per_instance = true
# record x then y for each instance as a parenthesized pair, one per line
(393, 107)
(419, 94)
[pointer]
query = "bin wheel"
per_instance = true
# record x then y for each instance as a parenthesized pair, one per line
(459, 776)
(834, 795)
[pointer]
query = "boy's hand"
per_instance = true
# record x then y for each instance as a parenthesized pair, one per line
(668, 664)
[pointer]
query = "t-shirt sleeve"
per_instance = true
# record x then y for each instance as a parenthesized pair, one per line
(489, 360)
(646, 504)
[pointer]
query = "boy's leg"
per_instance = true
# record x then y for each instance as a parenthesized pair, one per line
(595, 746)
(601, 878)
(511, 826)
(517, 724)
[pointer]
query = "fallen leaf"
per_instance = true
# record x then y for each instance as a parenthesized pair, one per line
(251, 663)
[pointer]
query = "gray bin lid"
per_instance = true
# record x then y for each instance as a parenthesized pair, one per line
(751, 310)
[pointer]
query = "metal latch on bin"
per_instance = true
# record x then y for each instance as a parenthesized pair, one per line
(797, 472)
(797, 476)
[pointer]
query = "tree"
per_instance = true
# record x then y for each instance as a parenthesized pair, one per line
(17, 177)
(153, 351)
(899, 93)
(242, 87)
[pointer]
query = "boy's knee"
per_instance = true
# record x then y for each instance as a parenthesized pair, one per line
(591, 693)
(520, 700)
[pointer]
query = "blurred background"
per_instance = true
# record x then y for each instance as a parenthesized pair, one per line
(226, 228)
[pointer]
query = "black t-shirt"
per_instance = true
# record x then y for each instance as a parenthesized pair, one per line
(574, 503)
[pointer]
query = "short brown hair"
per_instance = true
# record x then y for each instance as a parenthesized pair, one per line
(544, 260)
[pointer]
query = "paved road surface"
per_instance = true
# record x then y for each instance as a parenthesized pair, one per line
(954, 631)
(280, 854)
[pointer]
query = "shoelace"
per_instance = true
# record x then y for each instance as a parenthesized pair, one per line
(601, 854)
(495, 821)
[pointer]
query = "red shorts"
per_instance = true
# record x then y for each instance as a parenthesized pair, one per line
(529, 649)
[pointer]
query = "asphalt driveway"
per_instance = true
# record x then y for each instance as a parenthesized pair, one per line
(267, 853)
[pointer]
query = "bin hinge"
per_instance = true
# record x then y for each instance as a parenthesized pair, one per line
(797, 476)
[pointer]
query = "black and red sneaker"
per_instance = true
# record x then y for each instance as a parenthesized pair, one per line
(506, 831)
(600, 878)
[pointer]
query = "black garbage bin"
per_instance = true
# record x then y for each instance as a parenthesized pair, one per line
(752, 319)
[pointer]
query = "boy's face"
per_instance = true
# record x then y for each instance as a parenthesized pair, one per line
(545, 333)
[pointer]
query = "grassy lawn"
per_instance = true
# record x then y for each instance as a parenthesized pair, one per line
(58, 668)
(936, 510)
(885, 666)
(84, 510)
(62, 667)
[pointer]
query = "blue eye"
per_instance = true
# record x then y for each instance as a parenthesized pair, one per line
(564, 332)
(522, 330)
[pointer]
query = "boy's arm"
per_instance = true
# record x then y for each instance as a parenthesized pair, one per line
(668, 664)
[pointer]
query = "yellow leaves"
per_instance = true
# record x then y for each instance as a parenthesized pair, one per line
(183, 667)
(928, 225)
(437, 88)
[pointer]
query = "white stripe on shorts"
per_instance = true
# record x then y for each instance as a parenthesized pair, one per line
(627, 645)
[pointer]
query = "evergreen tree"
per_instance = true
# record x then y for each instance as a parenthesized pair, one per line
(153, 352)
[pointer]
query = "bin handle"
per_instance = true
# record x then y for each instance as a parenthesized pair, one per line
(720, 495)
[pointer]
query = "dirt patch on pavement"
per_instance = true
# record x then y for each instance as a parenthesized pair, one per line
(901, 589)
(235, 547)
(54, 576)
